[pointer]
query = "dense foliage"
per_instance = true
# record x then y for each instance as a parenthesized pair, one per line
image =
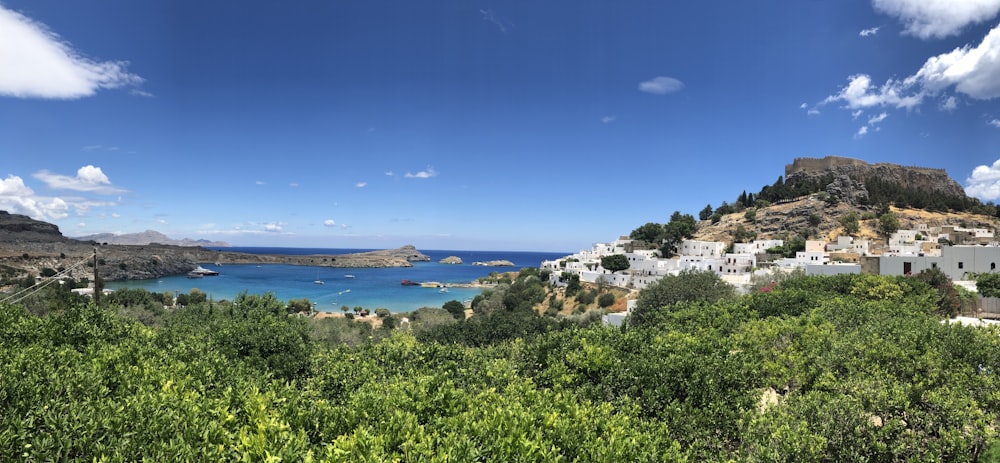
(846, 368)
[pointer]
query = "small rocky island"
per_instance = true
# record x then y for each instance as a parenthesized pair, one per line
(495, 263)
(451, 260)
(30, 245)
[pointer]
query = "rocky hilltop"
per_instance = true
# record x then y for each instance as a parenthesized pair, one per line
(846, 169)
(30, 245)
(16, 228)
(148, 237)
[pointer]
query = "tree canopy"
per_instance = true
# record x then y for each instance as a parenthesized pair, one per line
(615, 262)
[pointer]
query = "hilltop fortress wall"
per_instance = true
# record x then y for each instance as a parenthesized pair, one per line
(833, 163)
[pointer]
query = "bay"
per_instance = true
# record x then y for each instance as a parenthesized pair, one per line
(369, 288)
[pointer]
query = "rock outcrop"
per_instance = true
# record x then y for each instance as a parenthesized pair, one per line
(452, 260)
(918, 178)
(16, 228)
(495, 263)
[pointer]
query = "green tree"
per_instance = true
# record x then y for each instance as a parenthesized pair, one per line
(850, 223)
(750, 215)
(888, 223)
(680, 227)
(615, 262)
(606, 300)
(299, 306)
(705, 213)
(988, 284)
(650, 232)
(687, 286)
(455, 308)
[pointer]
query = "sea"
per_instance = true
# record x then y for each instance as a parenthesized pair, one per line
(370, 288)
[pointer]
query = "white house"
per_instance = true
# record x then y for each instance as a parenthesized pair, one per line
(701, 248)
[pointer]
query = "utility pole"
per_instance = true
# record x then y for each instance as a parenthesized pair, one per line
(97, 281)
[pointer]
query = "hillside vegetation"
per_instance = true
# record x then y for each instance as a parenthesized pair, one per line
(847, 368)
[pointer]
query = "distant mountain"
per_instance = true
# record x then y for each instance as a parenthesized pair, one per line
(148, 237)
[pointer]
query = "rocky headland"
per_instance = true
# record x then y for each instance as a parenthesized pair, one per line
(30, 245)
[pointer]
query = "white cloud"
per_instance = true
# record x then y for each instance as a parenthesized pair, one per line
(273, 227)
(608, 119)
(661, 85)
(812, 112)
(995, 123)
(803, 106)
(869, 31)
(430, 172)
(37, 63)
(361, 184)
(260, 182)
(968, 70)
(861, 132)
(971, 70)
(490, 16)
(949, 104)
(293, 185)
(984, 183)
(855, 114)
(876, 119)
(18, 198)
(329, 223)
(390, 173)
(88, 178)
(859, 93)
(938, 18)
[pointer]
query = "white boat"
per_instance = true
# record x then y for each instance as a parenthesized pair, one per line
(348, 276)
(319, 282)
(443, 290)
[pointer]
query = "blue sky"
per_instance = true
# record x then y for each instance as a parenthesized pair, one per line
(471, 124)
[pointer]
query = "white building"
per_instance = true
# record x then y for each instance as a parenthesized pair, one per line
(701, 248)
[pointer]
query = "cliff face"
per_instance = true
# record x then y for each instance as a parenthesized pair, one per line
(21, 228)
(922, 178)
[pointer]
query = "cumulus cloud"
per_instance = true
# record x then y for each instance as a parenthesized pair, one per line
(361, 184)
(995, 123)
(938, 18)
(329, 223)
(88, 178)
(608, 119)
(273, 227)
(862, 131)
(390, 173)
(37, 63)
(18, 198)
(661, 85)
(968, 70)
(260, 182)
(984, 183)
(430, 172)
(860, 93)
(869, 31)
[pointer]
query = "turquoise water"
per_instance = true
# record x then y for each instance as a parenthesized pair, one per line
(369, 288)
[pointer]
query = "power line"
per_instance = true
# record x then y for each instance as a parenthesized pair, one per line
(20, 295)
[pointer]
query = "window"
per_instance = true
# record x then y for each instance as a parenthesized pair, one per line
(933, 264)
(961, 265)
(993, 266)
